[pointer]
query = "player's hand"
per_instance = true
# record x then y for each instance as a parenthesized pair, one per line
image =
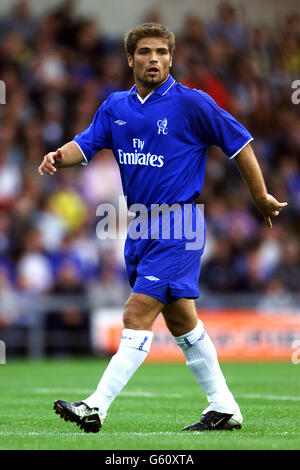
(270, 207)
(49, 163)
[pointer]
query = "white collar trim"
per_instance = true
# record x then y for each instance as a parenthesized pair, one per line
(168, 88)
(145, 99)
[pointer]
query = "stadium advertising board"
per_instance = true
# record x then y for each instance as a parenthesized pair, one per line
(237, 335)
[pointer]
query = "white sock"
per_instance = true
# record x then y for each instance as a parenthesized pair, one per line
(201, 358)
(133, 349)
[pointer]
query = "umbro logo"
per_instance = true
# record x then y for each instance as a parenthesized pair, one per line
(120, 122)
(152, 278)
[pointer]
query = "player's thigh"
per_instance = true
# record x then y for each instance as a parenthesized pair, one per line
(180, 316)
(140, 311)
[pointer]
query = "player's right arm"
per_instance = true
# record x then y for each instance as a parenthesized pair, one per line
(67, 155)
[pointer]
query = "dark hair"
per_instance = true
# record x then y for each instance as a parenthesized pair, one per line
(148, 30)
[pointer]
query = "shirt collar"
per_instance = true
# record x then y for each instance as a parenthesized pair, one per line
(161, 90)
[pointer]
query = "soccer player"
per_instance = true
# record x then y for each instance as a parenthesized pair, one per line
(159, 132)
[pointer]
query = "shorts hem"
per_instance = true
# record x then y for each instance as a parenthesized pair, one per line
(188, 295)
(155, 296)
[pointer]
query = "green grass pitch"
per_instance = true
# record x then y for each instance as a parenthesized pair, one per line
(158, 401)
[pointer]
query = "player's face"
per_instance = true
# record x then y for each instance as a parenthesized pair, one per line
(151, 62)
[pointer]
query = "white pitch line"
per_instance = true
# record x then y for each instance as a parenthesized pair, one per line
(62, 434)
(128, 433)
(81, 391)
(84, 391)
(158, 433)
(42, 433)
(269, 397)
(173, 433)
(151, 395)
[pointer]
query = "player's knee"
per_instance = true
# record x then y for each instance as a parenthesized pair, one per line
(134, 318)
(140, 312)
(131, 319)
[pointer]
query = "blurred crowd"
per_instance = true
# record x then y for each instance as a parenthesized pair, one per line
(58, 68)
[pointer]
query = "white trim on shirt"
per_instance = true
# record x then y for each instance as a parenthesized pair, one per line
(238, 151)
(168, 88)
(86, 160)
(145, 99)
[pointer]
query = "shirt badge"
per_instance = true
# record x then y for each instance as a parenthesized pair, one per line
(162, 126)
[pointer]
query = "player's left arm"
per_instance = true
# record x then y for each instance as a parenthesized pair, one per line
(251, 172)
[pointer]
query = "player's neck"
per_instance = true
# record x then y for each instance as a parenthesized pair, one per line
(144, 91)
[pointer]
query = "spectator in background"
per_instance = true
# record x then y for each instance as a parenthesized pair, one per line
(33, 268)
(68, 323)
(52, 226)
(8, 310)
(277, 299)
(10, 174)
(288, 270)
(228, 27)
(68, 203)
(219, 274)
(202, 78)
(194, 36)
(110, 188)
(21, 20)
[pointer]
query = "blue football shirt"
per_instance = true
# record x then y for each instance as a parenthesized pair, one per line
(160, 143)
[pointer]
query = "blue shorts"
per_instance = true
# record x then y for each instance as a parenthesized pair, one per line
(166, 269)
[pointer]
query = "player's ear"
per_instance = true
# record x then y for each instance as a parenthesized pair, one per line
(130, 60)
(171, 61)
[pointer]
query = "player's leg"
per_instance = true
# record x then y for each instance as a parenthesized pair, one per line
(139, 314)
(201, 358)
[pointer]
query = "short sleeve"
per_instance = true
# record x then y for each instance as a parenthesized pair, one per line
(215, 126)
(96, 136)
